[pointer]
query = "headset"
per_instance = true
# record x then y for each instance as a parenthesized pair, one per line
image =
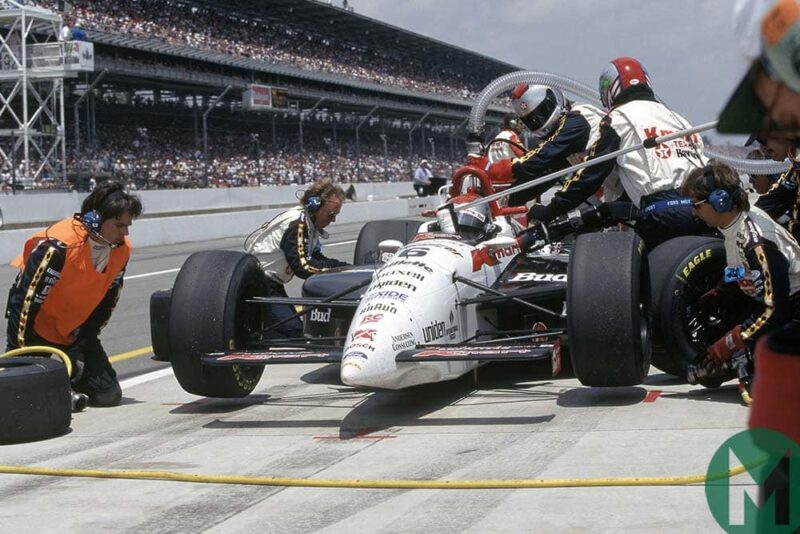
(313, 204)
(92, 220)
(721, 201)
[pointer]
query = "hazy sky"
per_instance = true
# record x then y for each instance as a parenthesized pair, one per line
(687, 46)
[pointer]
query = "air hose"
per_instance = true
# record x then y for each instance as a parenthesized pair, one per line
(40, 349)
(589, 94)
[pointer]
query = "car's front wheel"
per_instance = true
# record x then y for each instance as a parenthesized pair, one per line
(608, 309)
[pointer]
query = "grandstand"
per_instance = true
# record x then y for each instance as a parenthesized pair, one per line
(212, 93)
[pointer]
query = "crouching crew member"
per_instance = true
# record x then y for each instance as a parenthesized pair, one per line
(289, 245)
(70, 279)
(762, 257)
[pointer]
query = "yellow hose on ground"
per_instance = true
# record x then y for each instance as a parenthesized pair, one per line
(373, 484)
(40, 349)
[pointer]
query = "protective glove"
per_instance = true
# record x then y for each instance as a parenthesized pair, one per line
(724, 347)
(500, 172)
(539, 212)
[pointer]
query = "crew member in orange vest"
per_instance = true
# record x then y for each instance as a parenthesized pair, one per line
(69, 282)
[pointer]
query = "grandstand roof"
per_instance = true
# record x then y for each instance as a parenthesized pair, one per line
(321, 17)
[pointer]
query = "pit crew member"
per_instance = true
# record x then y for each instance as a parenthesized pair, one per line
(763, 258)
(71, 276)
(289, 245)
(567, 130)
(649, 178)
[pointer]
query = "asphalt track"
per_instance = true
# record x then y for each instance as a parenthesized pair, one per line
(511, 422)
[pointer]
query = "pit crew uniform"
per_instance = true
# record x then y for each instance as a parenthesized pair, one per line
(290, 246)
(568, 145)
(502, 150)
(765, 262)
(64, 294)
(649, 178)
(782, 201)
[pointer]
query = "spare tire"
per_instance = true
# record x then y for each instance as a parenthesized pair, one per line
(35, 399)
(608, 320)
(372, 233)
(681, 271)
(209, 313)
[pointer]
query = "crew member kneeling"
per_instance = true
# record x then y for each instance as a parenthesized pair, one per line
(69, 282)
(762, 257)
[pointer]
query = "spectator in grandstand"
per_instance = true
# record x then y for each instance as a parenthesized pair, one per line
(422, 178)
(289, 245)
(567, 130)
(507, 144)
(55, 301)
(77, 33)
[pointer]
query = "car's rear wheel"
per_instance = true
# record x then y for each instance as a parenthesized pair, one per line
(209, 313)
(372, 233)
(681, 271)
(608, 310)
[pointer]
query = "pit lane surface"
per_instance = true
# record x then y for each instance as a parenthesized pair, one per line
(516, 423)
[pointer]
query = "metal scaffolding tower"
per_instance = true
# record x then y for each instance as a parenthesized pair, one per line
(33, 65)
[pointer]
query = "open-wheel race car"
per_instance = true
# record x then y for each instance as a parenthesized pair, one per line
(431, 301)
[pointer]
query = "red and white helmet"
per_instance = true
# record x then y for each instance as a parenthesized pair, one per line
(539, 107)
(619, 75)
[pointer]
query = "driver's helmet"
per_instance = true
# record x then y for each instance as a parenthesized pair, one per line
(539, 107)
(471, 222)
(620, 75)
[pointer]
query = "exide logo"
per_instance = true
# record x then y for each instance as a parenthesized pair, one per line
(319, 316)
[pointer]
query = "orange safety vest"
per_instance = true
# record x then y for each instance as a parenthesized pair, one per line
(80, 289)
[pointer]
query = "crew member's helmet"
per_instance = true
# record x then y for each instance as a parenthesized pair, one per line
(618, 76)
(539, 107)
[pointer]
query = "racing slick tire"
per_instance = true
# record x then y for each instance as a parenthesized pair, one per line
(208, 313)
(372, 233)
(681, 271)
(36, 399)
(608, 309)
(159, 324)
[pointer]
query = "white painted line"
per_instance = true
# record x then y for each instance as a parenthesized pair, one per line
(147, 377)
(156, 273)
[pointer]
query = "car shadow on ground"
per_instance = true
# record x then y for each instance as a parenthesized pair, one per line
(328, 374)
(588, 397)
(727, 393)
(383, 410)
(212, 406)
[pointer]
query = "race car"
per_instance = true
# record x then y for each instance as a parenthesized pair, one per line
(431, 301)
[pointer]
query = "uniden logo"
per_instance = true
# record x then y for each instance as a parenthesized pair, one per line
(772, 462)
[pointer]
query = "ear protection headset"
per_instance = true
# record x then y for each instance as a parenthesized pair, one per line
(94, 218)
(721, 201)
(313, 204)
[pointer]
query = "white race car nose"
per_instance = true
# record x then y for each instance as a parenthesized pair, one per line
(351, 374)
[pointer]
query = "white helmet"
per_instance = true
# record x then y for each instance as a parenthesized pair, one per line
(539, 107)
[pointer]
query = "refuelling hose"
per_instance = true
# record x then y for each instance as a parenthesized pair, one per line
(375, 484)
